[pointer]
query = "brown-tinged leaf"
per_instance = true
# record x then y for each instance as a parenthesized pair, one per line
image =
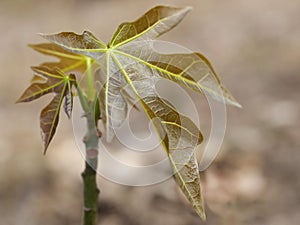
(192, 70)
(68, 102)
(129, 99)
(49, 118)
(180, 141)
(114, 101)
(179, 135)
(152, 24)
(113, 104)
(85, 44)
(46, 81)
(68, 61)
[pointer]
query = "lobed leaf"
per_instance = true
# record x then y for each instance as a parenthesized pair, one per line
(179, 135)
(47, 81)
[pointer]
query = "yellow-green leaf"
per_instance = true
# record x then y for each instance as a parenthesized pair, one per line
(45, 81)
(54, 81)
(85, 44)
(191, 70)
(68, 61)
(179, 135)
(152, 24)
(113, 105)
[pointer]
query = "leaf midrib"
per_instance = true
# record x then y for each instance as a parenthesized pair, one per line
(183, 182)
(201, 87)
(44, 90)
(145, 109)
(62, 94)
(106, 90)
(59, 54)
(138, 35)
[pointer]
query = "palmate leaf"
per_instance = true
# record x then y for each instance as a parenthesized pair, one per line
(50, 77)
(54, 81)
(130, 59)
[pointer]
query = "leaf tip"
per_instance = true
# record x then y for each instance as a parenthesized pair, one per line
(185, 10)
(34, 68)
(45, 149)
(42, 34)
(200, 210)
(45, 143)
(235, 103)
(238, 105)
(45, 36)
(202, 215)
(18, 101)
(188, 8)
(30, 45)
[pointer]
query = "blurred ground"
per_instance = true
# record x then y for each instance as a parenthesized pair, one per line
(255, 47)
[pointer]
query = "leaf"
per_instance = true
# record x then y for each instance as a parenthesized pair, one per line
(179, 134)
(113, 106)
(181, 139)
(86, 43)
(114, 101)
(131, 60)
(68, 61)
(56, 82)
(129, 99)
(190, 70)
(68, 102)
(154, 23)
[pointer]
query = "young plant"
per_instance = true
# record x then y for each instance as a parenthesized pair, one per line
(128, 60)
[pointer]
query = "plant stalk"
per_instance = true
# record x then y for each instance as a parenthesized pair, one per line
(90, 189)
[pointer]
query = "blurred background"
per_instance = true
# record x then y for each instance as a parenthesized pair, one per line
(255, 48)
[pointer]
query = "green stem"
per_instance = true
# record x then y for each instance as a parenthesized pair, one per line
(91, 139)
(90, 105)
(90, 190)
